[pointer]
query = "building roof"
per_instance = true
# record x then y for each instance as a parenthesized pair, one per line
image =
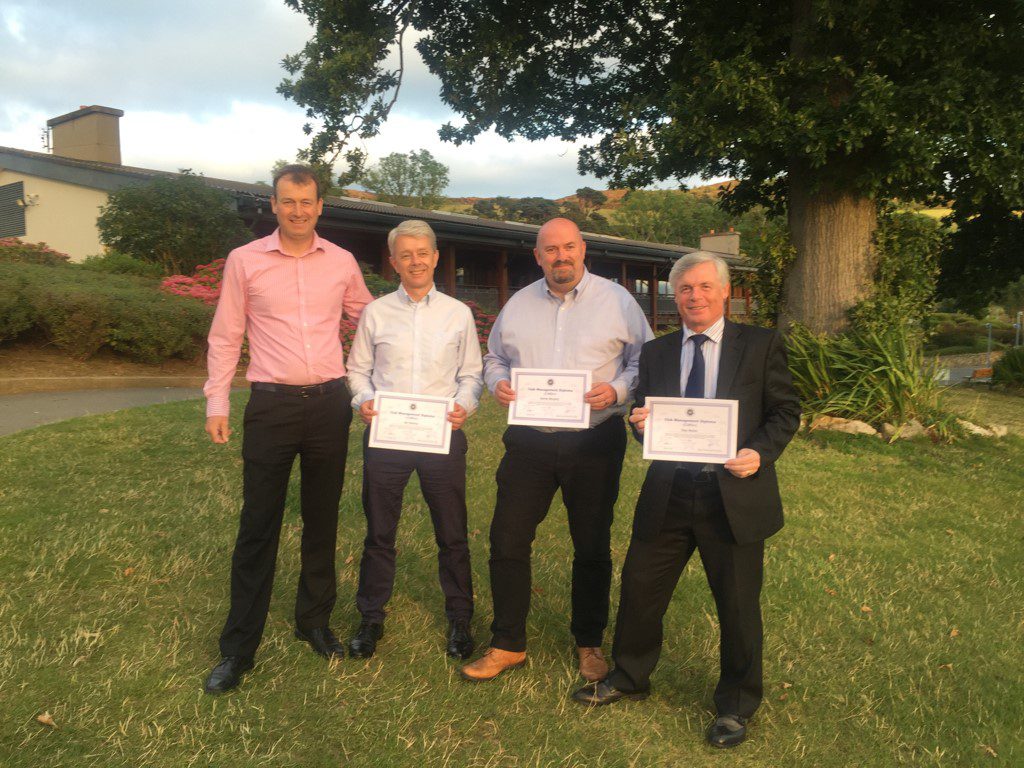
(370, 215)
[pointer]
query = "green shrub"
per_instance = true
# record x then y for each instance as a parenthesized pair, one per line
(82, 311)
(1009, 369)
(155, 328)
(76, 321)
(177, 222)
(376, 284)
(873, 375)
(13, 250)
(965, 331)
(16, 315)
(115, 262)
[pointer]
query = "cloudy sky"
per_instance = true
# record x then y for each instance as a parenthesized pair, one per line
(196, 80)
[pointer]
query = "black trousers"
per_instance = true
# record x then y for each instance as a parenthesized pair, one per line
(443, 482)
(695, 520)
(586, 465)
(278, 426)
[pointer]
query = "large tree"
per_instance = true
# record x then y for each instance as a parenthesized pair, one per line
(820, 107)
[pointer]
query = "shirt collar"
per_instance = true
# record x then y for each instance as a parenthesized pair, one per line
(273, 243)
(576, 292)
(714, 333)
(405, 298)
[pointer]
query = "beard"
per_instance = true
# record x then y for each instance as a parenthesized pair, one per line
(562, 273)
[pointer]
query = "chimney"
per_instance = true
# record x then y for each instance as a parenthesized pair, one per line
(88, 133)
(721, 242)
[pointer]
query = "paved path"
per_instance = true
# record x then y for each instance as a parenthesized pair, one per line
(18, 412)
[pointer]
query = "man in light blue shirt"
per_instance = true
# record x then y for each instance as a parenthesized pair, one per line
(570, 319)
(422, 342)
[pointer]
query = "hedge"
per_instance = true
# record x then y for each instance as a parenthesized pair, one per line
(82, 311)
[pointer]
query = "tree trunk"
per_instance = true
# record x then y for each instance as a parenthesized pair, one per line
(835, 261)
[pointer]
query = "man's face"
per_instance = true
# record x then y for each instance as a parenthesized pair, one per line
(297, 208)
(700, 297)
(560, 252)
(414, 259)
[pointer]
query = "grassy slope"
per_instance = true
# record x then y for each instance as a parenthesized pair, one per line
(115, 536)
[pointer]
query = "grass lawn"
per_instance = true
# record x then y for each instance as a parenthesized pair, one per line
(894, 615)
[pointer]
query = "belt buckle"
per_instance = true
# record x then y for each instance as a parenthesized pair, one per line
(304, 392)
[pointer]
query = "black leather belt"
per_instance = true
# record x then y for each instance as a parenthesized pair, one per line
(299, 390)
(701, 478)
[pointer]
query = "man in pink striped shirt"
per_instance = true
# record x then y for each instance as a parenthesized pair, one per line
(287, 293)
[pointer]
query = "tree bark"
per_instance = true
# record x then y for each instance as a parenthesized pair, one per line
(834, 268)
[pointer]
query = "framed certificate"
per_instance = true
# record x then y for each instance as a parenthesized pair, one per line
(411, 422)
(550, 398)
(690, 429)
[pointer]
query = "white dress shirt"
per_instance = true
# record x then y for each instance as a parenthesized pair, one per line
(425, 347)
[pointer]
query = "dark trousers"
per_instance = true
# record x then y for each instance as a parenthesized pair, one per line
(586, 466)
(443, 482)
(695, 520)
(277, 427)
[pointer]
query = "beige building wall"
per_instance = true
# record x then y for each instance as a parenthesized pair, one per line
(63, 215)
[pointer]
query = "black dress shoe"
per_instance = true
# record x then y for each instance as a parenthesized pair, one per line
(727, 731)
(460, 641)
(602, 692)
(364, 644)
(227, 674)
(323, 641)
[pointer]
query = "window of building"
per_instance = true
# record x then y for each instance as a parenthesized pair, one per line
(12, 212)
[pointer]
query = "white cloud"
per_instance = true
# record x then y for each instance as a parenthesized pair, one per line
(197, 83)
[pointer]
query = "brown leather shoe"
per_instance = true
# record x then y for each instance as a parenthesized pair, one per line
(593, 667)
(491, 664)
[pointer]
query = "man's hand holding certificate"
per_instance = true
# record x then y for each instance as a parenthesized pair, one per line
(405, 422)
(690, 429)
(550, 398)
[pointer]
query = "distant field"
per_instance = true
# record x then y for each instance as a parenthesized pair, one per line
(893, 613)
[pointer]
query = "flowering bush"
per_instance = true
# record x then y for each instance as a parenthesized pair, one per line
(203, 285)
(484, 323)
(12, 249)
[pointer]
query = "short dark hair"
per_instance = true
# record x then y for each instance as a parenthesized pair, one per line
(300, 174)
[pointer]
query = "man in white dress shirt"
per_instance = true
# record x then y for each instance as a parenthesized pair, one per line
(422, 342)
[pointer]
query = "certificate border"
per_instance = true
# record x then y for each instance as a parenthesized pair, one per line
(582, 421)
(398, 445)
(731, 407)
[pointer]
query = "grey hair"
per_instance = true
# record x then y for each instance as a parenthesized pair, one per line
(412, 228)
(685, 263)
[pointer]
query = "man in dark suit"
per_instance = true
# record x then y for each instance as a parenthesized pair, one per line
(723, 511)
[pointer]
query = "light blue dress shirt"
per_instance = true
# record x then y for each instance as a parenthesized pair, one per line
(712, 349)
(597, 327)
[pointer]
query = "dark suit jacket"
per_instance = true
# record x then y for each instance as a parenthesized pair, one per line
(752, 369)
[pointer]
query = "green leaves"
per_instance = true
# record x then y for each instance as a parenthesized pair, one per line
(176, 222)
(873, 375)
(414, 179)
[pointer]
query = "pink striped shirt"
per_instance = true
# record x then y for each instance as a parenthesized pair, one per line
(290, 308)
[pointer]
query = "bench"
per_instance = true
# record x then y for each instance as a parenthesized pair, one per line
(980, 376)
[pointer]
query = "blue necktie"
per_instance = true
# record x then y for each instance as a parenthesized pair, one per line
(695, 381)
(695, 388)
